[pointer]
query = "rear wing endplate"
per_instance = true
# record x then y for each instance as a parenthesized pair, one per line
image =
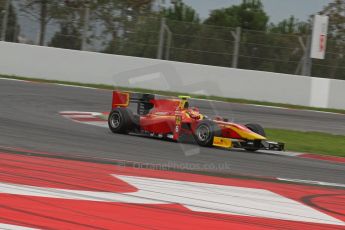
(123, 99)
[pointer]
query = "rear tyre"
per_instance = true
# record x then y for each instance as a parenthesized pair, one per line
(256, 128)
(121, 121)
(205, 132)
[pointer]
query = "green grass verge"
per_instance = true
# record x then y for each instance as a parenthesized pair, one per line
(166, 93)
(309, 142)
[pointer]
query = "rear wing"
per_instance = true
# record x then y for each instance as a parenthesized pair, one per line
(120, 99)
(124, 99)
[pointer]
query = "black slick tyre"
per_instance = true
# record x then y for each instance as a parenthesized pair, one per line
(121, 121)
(256, 128)
(205, 132)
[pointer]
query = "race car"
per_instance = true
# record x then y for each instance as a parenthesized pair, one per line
(174, 119)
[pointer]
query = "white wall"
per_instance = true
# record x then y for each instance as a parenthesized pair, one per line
(88, 67)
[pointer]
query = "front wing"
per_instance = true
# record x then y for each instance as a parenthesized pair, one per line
(257, 144)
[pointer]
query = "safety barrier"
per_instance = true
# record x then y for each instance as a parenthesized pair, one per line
(90, 67)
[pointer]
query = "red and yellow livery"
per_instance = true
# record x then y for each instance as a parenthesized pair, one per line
(175, 119)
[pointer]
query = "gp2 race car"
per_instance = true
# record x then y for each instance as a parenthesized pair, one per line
(174, 119)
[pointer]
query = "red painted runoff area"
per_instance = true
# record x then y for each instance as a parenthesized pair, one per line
(48, 193)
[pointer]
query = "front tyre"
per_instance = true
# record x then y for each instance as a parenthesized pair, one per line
(120, 121)
(256, 128)
(205, 132)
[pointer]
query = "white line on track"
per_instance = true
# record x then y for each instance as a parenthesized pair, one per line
(317, 111)
(14, 227)
(312, 182)
(12, 79)
(72, 113)
(268, 106)
(286, 108)
(78, 116)
(282, 153)
(78, 86)
(102, 124)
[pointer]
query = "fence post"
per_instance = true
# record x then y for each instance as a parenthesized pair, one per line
(307, 62)
(237, 37)
(4, 20)
(161, 39)
(168, 46)
(86, 20)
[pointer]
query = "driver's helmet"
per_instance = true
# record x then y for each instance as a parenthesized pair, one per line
(194, 113)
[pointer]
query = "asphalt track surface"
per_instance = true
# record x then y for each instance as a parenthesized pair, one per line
(29, 119)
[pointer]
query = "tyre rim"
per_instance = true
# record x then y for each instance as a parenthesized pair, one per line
(203, 133)
(115, 120)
